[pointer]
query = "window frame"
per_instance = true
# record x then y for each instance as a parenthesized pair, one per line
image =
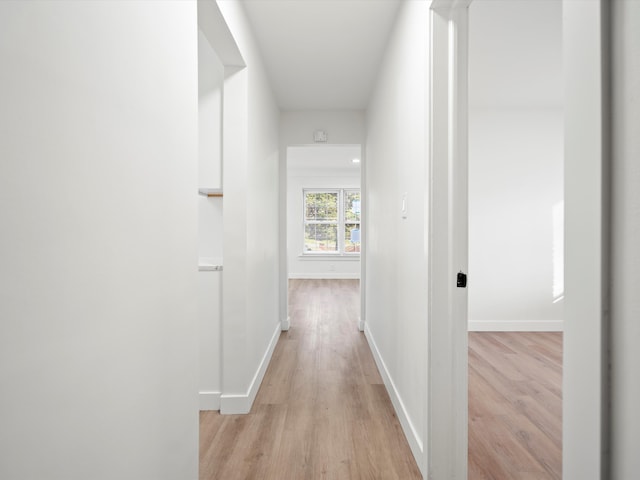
(340, 223)
(344, 193)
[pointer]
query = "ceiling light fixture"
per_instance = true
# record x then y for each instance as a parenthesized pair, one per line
(355, 160)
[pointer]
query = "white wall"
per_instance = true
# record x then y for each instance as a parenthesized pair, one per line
(515, 163)
(98, 338)
(210, 240)
(210, 79)
(397, 152)
(515, 179)
(251, 213)
(344, 127)
(209, 337)
(515, 54)
(625, 277)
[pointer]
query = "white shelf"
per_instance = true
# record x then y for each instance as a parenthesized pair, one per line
(210, 264)
(210, 192)
(209, 268)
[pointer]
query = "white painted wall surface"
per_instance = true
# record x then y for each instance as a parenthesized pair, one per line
(515, 54)
(625, 281)
(515, 179)
(210, 238)
(210, 80)
(314, 266)
(397, 152)
(344, 127)
(98, 285)
(251, 213)
(516, 150)
(209, 338)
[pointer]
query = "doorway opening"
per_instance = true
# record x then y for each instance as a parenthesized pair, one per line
(324, 215)
(516, 224)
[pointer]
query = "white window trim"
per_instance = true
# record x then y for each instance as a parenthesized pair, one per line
(340, 254)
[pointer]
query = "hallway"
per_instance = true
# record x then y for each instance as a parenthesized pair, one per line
(322, 410)
(100, 292)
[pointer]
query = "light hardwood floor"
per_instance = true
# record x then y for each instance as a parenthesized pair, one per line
(323, 412)
(515, 405)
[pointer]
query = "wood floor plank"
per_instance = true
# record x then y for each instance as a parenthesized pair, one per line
(542, 448)
(515, 405)
(322, 411)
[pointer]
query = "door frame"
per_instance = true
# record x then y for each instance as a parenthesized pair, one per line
(587, 204)
(586, 304)
(447, 392)
(284, 229)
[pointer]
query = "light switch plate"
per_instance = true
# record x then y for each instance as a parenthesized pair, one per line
(404, 210)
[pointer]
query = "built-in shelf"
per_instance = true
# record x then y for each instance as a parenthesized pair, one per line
(210, 268)
(210, 264)
(210, 192)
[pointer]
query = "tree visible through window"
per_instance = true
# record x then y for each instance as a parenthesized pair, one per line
(331, 221)
(352, 221)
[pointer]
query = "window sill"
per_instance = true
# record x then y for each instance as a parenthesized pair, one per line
(329, 256)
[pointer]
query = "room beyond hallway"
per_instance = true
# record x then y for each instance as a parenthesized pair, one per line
(322, 410)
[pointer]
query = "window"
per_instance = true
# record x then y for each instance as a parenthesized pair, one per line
(351, 221)
(332, 221)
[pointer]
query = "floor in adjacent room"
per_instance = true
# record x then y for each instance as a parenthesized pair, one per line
(323, 412)
(515, 405)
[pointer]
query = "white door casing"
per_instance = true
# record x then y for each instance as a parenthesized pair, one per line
(586, 242)
(586, 305)
(446, 446)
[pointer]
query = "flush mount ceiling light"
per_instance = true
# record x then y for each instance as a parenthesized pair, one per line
(355, 160)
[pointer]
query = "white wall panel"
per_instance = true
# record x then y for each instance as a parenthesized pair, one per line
(397, 153)
(98, 284)
(251, 219)
(515, 181)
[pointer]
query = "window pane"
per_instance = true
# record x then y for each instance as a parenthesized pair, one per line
(351, 238)
(321, 207)
(321, 238)
(352, 206)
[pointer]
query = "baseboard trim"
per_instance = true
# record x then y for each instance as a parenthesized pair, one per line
(361, 324)
(241, 404)
(516, 326)
(326, 276)
(285, 325)
(408, 428)
(209, 401)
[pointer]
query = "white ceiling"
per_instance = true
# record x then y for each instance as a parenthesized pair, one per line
(322, 54)
(324, 157)
(325, 54)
